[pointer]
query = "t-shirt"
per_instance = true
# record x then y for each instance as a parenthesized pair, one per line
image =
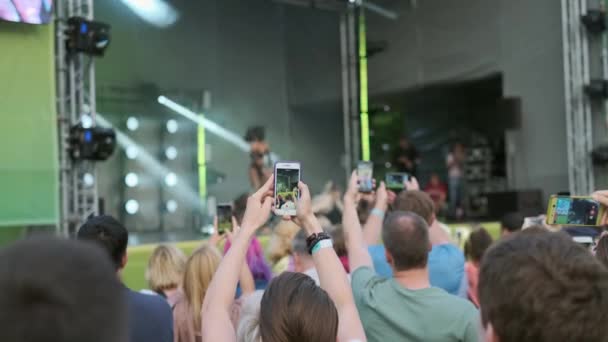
(150, 318)
(390, 312)
(446, 266)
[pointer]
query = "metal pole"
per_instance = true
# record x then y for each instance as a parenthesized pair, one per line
(353, 72)
(345, 95)
(568, 91)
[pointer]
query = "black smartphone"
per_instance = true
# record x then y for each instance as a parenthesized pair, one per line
(224, 217)
(365, 170)
(396, 180)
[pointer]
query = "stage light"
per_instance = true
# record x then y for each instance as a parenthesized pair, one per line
(172, 126)
(88, 179)
(171, 179)
(132, 123)
(95, 143)
(597, 89)
(171, 206)
(156, 12)
(132, 152)
(87, 36)
(131, 179)
(86, 121)
(132, 207)
(171, 153)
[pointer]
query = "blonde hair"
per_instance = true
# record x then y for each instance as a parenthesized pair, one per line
(165, 268)
(200, 268)
(280, 242)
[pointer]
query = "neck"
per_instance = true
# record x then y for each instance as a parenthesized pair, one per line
(414, 279)
(437, 235)
(170, 292)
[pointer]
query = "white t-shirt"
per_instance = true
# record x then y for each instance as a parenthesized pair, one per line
(454, 168)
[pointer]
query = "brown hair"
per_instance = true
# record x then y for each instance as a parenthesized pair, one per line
(479, 241)
(601, 250)
(406, 238)
(294, 308)
(165, 268)
(200, 268)
(418, 202)
(543, 287)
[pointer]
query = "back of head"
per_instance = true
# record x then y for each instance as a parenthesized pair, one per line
(293, 308)
(512, 222)
(601, 250)
(165, 268)
(60, 290)
(239, 206)
(417, 202)
(479, 241)
(200, 268)
(406, 238)
(109, 234)
(543, 287)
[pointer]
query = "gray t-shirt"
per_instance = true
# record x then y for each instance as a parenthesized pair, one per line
(390, 312)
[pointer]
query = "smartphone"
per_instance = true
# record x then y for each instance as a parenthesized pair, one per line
(365, 170)
(224, 217)
(574, 211)
(286, 178)
(396, 180)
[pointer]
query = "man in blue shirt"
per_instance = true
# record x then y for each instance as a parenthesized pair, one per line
(446, 260)
(150, 317)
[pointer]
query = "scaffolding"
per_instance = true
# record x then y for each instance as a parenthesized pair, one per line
(75, 74)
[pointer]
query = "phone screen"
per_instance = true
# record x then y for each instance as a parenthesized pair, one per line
(575, 211)
(365, 171)
(396, 180)
(286, 193)
(224, 218)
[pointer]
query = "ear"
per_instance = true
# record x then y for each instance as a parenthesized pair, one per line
(124, 260)
(389, 258)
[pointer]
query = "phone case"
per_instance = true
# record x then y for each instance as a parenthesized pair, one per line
(275, 179)
(551, 211)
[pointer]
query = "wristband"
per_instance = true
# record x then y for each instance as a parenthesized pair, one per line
(312, 240)
(378, 212)
(322, 244)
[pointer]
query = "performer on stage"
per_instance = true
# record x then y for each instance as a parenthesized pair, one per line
(261, 162)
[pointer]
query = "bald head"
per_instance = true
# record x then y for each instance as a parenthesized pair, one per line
(406, 238)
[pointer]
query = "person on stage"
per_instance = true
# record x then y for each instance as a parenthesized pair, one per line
(261, 162)
(406, 157)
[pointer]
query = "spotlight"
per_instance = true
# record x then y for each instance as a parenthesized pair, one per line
(132, 152)
(95, 143)
(88, 180)
(171, 153)
(597, 89)
(171, 206)
(132, 123)
(132, 207)
(172, 126)
(594, 21)
(86, 121)
(131, 179)
(86, 36)
(171, 179)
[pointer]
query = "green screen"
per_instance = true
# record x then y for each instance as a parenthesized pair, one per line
(28, 134)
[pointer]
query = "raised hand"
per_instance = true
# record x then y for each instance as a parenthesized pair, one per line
(602, 197)
(411, 184)
(259, 206)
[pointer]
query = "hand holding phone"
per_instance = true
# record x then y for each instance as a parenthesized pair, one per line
(286, 192)
(365, 171)
(575, 211)
(396, 180)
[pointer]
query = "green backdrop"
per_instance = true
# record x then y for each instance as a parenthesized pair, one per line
(28, 129)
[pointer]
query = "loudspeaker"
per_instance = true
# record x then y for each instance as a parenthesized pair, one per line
(526, 202)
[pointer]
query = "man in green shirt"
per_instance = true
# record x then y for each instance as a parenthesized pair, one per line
(404, 307)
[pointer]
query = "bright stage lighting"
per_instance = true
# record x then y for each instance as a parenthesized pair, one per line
(132, 123)
(172, 126)
(171, 153)
(171, 206)
(156, 12)
(171, 179)
(86, 121)
(88, 180)
(132, 152)
(132, 207)
(131, 179)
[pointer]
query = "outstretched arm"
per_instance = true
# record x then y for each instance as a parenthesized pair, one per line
(331, 274)
(356, 246)
(373, 227)
(220, 295)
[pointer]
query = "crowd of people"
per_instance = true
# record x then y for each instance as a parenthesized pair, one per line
(358, 267)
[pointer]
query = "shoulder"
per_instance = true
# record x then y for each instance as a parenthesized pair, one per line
(365, 279)
(148, 303)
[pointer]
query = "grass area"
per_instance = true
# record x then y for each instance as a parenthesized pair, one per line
(134, 273)
(10, 234)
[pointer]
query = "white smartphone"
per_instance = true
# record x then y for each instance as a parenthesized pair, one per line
(286, 193)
